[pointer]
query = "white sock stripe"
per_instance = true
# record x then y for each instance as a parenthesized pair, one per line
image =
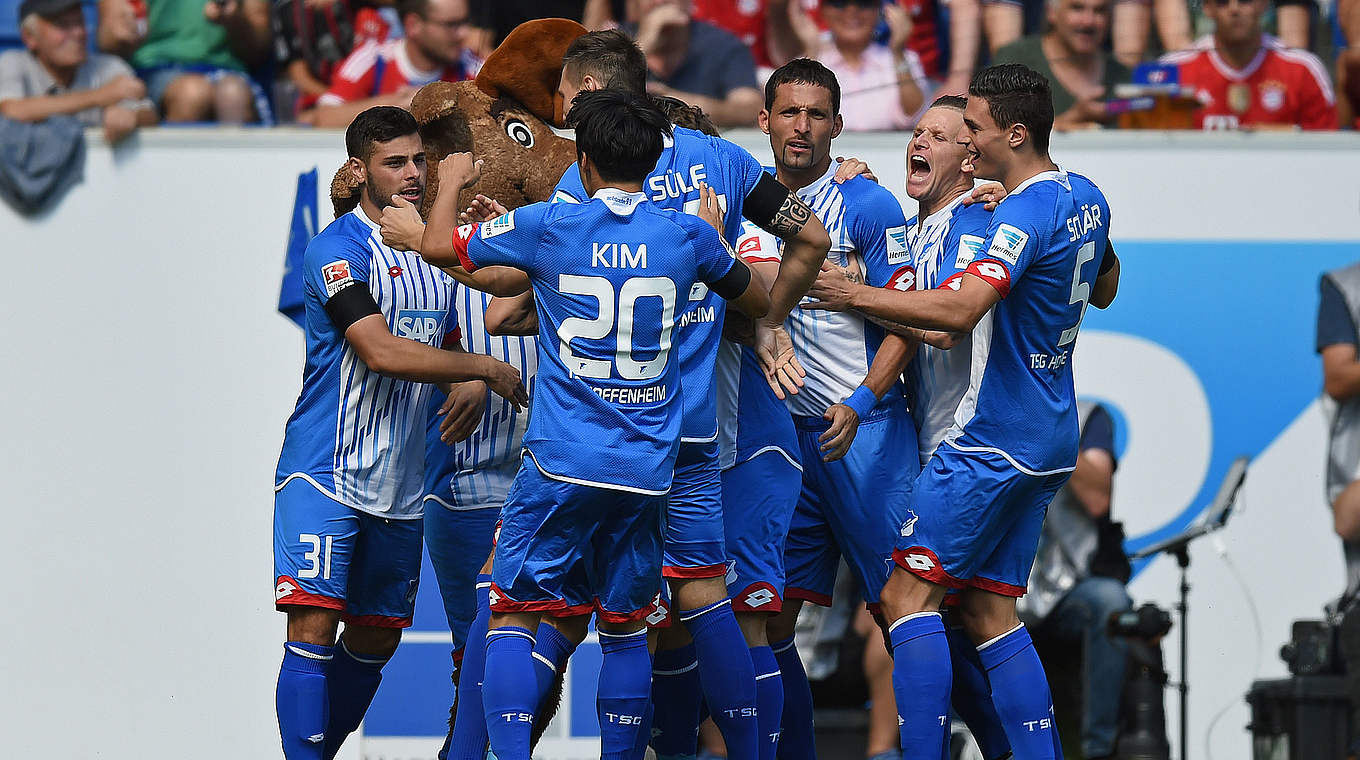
(792, 643)
(545, 661)
(685, 669)
(990, 642)
(912, 616)
(367, 660)
(685, 618)
(308, 655)
(609, 635)
(506, 632)
(763, 676)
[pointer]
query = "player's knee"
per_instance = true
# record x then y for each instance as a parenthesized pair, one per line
(781, 626)
(906, 594)
(673, 636)
(313, 625)
(620, 628)
(573, 629)
(754, 628)
(986, 616)
(371, 640)
(188, 98)
(233, 101)
(693, 593)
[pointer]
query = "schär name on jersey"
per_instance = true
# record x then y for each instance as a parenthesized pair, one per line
(1082, 224)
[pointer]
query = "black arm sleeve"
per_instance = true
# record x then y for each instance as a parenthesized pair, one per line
(351, 304)
(734, 283)
(764, 201)
(1107, 259)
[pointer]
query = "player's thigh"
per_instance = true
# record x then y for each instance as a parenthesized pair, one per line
(458, 541)
(1005, 569)
(385, 573)
(626, 556)
(314, 541)
(811, 556)
(694, 541)
(958, 516)
(759, 497)
(542, 546)
(869, 495)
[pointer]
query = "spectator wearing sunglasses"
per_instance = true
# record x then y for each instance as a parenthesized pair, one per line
(1248, 79)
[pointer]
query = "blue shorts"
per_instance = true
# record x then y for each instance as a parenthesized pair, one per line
(976, 522)
(158, 79)
(459, 541)
(759, 496)
(566, 549)
(694, 546)
(327, 554)
(853, 507)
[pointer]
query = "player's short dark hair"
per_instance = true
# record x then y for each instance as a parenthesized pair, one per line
(611, 57)
(378, 124)
(682, 114)
(621, 132)
(804, 71)
(407, 7)
(1017, 94)
(956, 102)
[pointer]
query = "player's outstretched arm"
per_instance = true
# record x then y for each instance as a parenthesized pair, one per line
(457, 171)
(943, 309)
(512, 316)
(752, 299)
(405, 359)
(1107, 282)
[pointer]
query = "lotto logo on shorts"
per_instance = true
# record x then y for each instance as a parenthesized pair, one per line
(919, 562)
(659, 612)
(492, 597)
(285, 588)
(336, 276)
(758, 598)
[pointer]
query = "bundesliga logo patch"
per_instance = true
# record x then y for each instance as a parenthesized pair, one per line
(502, 223)
(1008, 243)
(336, 276)
(897, 244)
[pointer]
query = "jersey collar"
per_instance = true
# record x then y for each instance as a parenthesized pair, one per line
(1058, 175)
(361, 216)
(1238, 75)
(811, 191)
(618, 201)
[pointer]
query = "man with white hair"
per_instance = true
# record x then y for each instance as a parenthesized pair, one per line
(56, 75)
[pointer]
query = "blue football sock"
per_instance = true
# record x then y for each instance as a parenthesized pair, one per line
(301, 701)
(1020, 693)
(796, 739)
(644, 733)
(508, 690)
(727, 675)
(623, 693)
(678, 699)
(769, 700)
(921, 679)
(551, 651)
(350, 684)
(972, 698)
(468, 741)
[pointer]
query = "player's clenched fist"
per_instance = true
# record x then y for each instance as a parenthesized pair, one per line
(461, 169)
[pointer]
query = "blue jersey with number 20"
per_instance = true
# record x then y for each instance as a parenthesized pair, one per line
(610, 277)
(1042, 252)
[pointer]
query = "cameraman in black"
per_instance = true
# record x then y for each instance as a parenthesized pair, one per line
(1078, 580)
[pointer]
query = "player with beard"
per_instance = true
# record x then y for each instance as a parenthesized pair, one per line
(348, 488)
(982, 496)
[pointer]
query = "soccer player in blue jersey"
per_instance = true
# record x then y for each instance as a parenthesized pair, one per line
(981, 499)
(581, 530)
(349, 479)
(850, 416)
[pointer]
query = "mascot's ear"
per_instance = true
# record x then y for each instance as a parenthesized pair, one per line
(344, 191)
(528, 64)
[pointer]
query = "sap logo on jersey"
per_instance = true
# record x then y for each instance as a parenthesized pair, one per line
(897, 244)
(420, 325)
(1008, 243)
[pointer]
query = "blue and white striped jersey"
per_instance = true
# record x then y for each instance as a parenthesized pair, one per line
(868, 234)
(1042, 252)
(461, 476)
(355, 435)
(941, 247)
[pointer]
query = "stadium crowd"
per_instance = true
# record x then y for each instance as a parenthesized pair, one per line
(126, 63)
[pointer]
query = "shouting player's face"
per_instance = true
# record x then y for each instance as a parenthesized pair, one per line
(935, 158)
(397, 167)
(983, 139)
(801, 124)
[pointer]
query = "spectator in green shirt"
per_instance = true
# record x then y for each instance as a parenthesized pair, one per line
(194, 54)
(1071, 55)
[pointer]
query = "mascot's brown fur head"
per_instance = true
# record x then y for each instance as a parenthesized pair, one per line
(502, 117)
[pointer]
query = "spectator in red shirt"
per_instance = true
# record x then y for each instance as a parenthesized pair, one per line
(747, 19)
(389, 73)
(1246, 78)
(313, 37)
